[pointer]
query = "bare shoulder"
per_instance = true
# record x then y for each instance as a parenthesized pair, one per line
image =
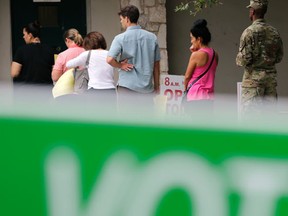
(199, 54)
(200, 57)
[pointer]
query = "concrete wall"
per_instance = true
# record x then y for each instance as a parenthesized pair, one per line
(226, 23)
(103, 16)
(5, 42)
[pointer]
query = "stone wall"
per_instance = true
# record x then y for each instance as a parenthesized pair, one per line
(153, 19)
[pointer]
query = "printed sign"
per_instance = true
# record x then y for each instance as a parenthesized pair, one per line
(172, 87)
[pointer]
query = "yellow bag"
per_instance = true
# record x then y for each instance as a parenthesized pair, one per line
(65, 84)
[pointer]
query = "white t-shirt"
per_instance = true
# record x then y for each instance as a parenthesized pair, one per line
(101, 74)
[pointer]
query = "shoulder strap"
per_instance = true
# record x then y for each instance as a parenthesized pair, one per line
(202, 73)
(88, 58)
(86, 63)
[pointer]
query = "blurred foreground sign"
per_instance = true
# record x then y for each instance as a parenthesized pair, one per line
(54, 168)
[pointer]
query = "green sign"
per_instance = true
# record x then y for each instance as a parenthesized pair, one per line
(73, 168)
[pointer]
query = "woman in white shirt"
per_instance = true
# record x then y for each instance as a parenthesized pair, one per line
(101, 75)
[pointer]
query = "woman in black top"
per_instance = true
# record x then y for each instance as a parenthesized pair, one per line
(32, 63)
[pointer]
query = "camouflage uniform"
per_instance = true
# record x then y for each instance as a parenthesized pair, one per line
(260, 49)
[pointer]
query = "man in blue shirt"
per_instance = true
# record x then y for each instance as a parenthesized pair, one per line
(136, 53)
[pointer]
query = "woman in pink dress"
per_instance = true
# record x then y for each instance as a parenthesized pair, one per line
(200, 73)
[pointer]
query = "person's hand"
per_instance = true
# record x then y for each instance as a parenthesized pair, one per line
(192, 49)
(126, 66)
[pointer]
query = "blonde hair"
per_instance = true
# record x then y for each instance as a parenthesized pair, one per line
(74, 35)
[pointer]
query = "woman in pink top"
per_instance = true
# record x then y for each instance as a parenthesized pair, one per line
(73, 41)
(201, 69)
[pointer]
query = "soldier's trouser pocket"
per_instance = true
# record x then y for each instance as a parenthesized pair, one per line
(253, 78)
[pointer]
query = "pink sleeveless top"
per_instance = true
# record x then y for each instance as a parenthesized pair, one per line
(203, 89)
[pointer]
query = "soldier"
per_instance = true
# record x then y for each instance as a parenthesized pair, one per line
(260, 49)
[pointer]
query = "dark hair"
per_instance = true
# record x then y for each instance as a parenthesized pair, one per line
(131, 12)
(73, 35)
(199, 29)
(94, 40)
(33, 28)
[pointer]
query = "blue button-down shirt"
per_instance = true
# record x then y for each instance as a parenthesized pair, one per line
(141, 49)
